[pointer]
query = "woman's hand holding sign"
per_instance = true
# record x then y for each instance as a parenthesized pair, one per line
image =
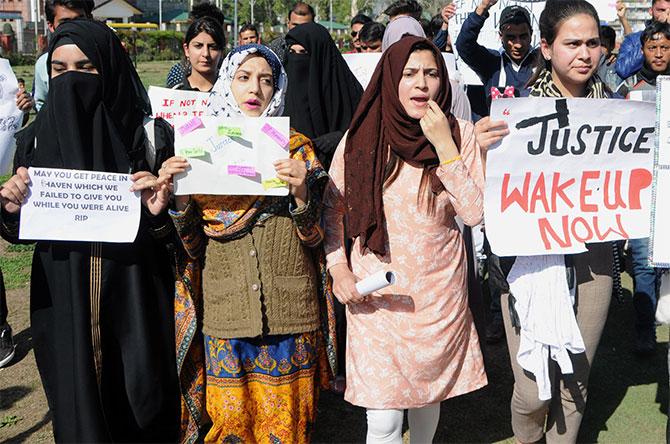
(174, 165)
(155, 196)
(14, 192)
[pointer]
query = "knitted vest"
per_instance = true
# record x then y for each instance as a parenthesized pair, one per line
(264, 283)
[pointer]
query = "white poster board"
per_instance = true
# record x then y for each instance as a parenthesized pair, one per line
(571, 171)
(231, 156)
(173, 103)
(489, 37)
(11, 117)
(75, 205)
(363, 65)
(660, 213)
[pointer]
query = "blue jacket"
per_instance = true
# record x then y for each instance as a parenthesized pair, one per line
(486, 62)
(630, 59)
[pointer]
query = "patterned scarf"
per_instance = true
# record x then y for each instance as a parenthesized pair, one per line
(221, 100)
(544, 86)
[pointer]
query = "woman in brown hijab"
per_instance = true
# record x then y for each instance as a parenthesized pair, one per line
(401, 175)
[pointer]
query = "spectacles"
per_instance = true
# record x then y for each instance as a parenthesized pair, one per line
(354, 33)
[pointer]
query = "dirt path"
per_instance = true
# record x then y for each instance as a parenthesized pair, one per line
(21, 394)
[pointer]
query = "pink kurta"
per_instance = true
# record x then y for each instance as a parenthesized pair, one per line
(414, 343)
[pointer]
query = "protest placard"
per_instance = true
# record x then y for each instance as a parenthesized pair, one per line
(571, 171)
(363, 65)
(172, 103)
(660, 212)
(76, 205)
(10, 116)
(231, 156)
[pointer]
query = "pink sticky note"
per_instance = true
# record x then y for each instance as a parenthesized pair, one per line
(242, 170)
(191, 125)
(275, 135)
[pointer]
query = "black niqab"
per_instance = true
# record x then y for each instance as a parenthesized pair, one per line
(93, 121)
(322, 92)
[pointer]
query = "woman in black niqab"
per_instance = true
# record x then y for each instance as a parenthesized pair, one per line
(102, 313)
(322, 92)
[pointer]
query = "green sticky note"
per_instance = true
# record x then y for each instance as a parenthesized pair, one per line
(230, 131)
(273, 183)
(196, 151)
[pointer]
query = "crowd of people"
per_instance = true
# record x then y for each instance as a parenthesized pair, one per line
(227, 315)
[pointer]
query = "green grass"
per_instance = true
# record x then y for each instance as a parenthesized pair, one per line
(15, 264)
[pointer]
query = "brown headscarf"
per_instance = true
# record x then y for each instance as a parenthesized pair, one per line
(381, 122)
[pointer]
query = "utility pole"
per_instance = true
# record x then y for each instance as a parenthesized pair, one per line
(330, 13)
(251, 5)
(160, 14)
(235, 23)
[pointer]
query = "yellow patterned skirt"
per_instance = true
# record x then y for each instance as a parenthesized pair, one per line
(262, 390)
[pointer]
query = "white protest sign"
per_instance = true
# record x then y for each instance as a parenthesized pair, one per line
(172, 103)
(10, 116)
(231, 156)
(75, 205)
(660, 213)
(606, 9)
(489, 36)
(363, 65)
(571, 171)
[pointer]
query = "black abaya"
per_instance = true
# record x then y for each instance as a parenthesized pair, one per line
(102, 314)
(322, 92)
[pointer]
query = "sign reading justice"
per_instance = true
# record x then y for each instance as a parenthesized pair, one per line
(571, 171)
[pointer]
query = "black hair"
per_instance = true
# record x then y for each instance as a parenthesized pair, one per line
(207, 9)
(425, 25)
(248, 27)
(303, 9)
(207, 25)
(652, 29)
(607, 37)
(371, 32)
(50, 7)
(554, 14)
(360, 19)
(436, 23)
(20, 80)
(408, 7)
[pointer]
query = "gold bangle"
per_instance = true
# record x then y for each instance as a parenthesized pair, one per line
(452, 160)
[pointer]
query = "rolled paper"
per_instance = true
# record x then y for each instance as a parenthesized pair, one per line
(196, 151)
(230, 131)
(273, 183)
(242, 170)
(375, 282)
(191, 125)
(274, 134)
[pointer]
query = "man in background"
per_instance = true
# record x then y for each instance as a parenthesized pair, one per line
(510, 66)
(411, 8)
(356, 25)
(299, 14)
(370, 36)
(630, 58)
(248, 34)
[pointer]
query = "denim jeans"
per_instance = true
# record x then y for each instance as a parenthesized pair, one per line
(645, 285)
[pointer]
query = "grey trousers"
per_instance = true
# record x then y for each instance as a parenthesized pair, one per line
(559, 419)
